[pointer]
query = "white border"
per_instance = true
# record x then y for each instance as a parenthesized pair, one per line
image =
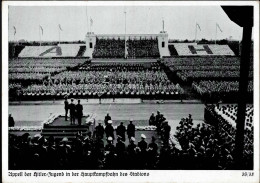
(155, 176)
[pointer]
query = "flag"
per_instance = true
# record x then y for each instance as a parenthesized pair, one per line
(91, 21)
(219, 27)
(198, 26)
(41, 29)
(14, 30)
(60, 27)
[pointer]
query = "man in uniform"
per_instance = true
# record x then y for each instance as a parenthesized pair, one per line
(131, 129)
(66, 107)
(142, 144)
(166, 132)
(79, 110)
(152, 119)
(120, 131)
(107, 118)
(109, 129)
(72, 112)
(100, 131)
(11, 121)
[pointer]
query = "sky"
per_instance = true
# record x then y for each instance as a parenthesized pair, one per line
(179, 22)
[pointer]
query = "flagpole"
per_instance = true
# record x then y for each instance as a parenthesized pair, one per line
(125, 33)
(196, 33)
(40, 36)
(216, 34)
(87, 19)
(163, 24)
(59, 34)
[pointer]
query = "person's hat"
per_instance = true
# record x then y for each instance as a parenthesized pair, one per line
(86, 138)
(65, 139)
(109, 121)
(143, 136)
(132, 139)
(109, 138)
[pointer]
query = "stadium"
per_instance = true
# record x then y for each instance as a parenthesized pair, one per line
(142, 99)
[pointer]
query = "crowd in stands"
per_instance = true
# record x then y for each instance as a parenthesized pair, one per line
(229, 113)
(226, 130)
(28, 76)
(211, 77)
(143, 48)
(191, 75)
(218, 87)
(209, 147)
(93, 77)
(202, 147)
(120, 66)
(98, 89)
(39, 69)
(211, 61)
(204, 67)
(109, 48)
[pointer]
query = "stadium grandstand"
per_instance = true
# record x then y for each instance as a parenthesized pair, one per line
(182, 97)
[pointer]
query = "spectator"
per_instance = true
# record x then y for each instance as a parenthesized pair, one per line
(66, 104)
(120, 131)
(79, 112)
(152, 119)
(107, 118)
(11, 121)
(109, 130)
(100, 131)
(72, 108)
(131, 130)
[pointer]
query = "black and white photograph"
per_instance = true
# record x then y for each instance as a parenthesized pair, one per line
(134, 88)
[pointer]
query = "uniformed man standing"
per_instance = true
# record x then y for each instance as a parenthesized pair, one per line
(100, 131)
(72, 109)
(166, 132)
(131, 129)
(120, 131)
(109, 129)
(152, 119)
(142, 144)
(79, 111)
(66, 107)
(107, 118)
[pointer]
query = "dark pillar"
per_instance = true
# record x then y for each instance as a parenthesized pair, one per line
(242, 99)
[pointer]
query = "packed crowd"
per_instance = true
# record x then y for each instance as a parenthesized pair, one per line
(204, 67)
(192, 75)
(226, 132)
(218, 87)
(202, 147)
(211, 77)
(39, 69)
(91, 151)
(143, 48)
(209, 147)
(211, 61)
(109, 48)
(103, 88)
(125, 77)
(120, 66)
(229, 113)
